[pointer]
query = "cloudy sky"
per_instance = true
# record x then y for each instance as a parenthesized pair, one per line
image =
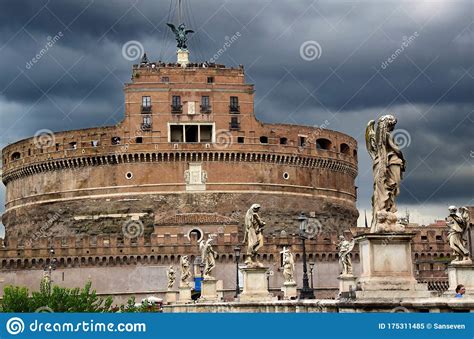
(337, 63)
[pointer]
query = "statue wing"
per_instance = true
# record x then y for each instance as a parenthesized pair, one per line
(188, 31)
(370, 139)
(173, 28)
(351, 245)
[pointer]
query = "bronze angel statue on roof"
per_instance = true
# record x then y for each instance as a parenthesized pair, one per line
(388, 166)
(180, 34)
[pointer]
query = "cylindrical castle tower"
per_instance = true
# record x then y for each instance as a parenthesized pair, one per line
(189, 143)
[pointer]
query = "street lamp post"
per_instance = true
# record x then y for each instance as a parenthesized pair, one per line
(306, 292)
(237, 258)
(311, 268)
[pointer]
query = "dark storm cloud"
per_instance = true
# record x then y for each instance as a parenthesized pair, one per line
(429, 85)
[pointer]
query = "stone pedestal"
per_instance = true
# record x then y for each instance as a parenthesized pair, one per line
(387, 268)
(347, 283)
(460, 274)
(255, 284)
(209, 290)
(289, 290)
(185, 293)
(171, 296)
(183, 57)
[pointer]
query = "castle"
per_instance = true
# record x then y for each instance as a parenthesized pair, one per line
(119, 204)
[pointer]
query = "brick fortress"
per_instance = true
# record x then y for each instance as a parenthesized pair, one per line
(119, 204)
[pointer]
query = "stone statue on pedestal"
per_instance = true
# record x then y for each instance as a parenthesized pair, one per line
(45, 284)
(458, 225)
(253, 235)
(171, 275)
(345, 247)
(288, 266)
(185, 270)
(180, 34)
(388, 166)
(208, 256)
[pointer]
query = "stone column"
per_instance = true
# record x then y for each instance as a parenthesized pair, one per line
(171, 296)
(183, 57)
(185, 293)
(460, 274)
(255, 285)
(209, 290)
(289, 290)
(387, 267)
(347, 283)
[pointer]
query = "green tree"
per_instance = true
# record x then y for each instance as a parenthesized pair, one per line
(15, 299)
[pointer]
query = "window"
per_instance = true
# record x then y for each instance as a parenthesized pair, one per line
(240, 140)
(324, 144)
(146, 104)
(146, 101)
(234, 105)
(283, 141)
(115, 140)
(210, 80)
(191, 133)
(205, 104)
(424, 238)
(146, 124)
(95, 143)
(57, 147)
(206, 133)
(139, 140)
(73, 145)
(16, 156)
(264, 140)
(176, 133)
(195, 235)
(234, 123)
(165, 79)
(344, 148)
(147, 119)
(176, 100)
(301, 141)
(439, 238)
(176, 104)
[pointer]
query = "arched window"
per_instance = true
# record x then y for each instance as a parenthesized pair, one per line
(195, 235)
(16, 156)
(344, 148)
(323, 144)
